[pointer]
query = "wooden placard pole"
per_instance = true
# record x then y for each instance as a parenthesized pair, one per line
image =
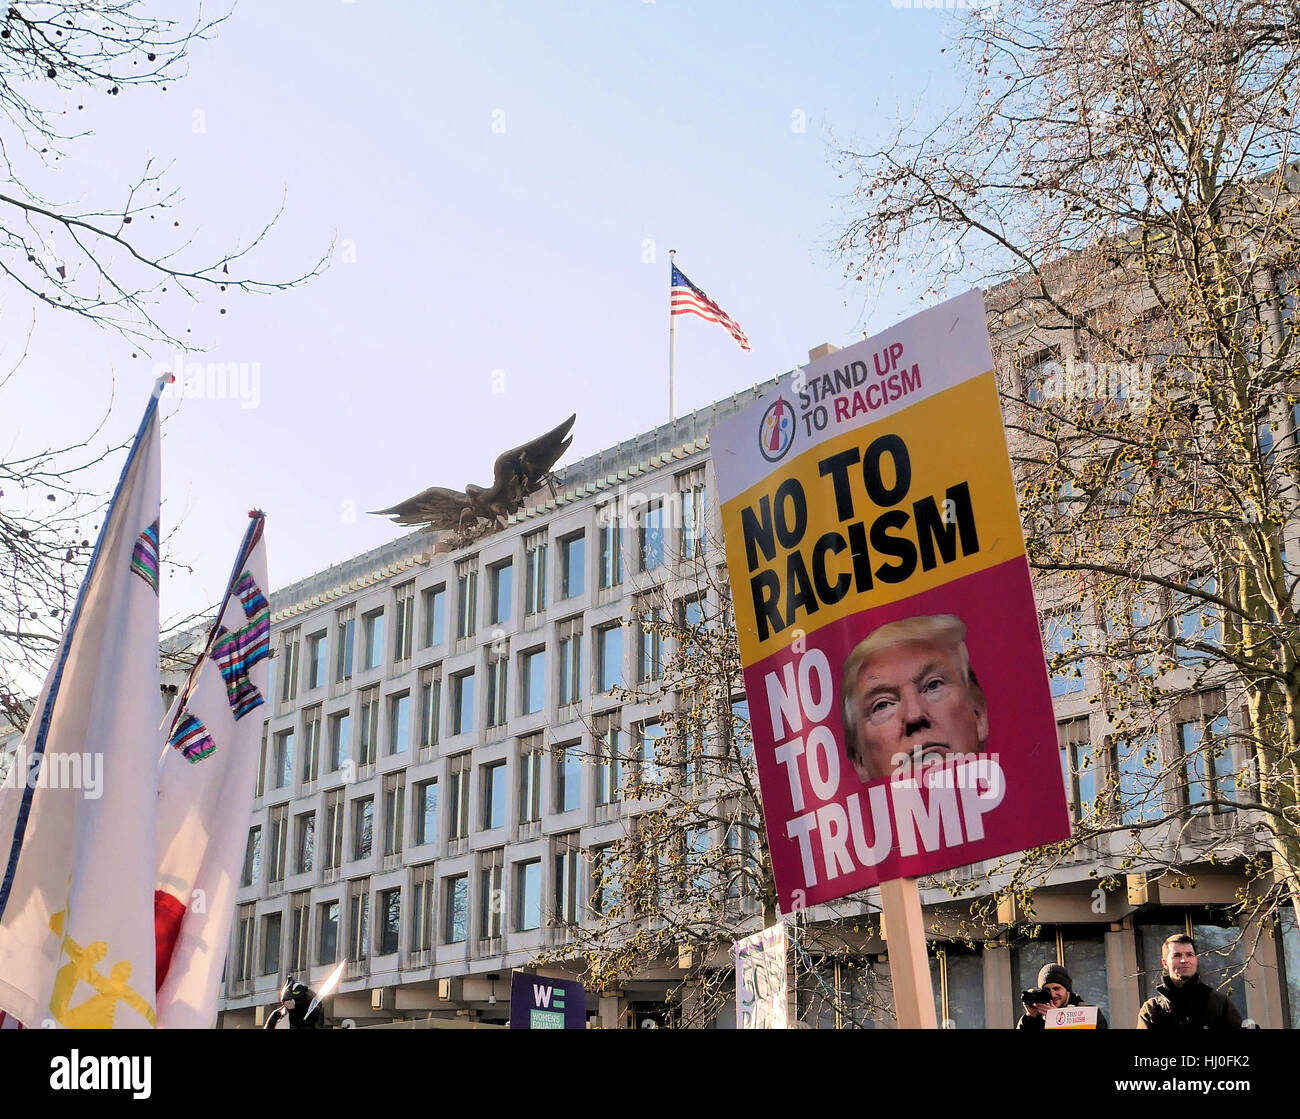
(909, 967)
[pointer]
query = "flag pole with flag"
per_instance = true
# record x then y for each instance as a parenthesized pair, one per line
(687, 299)
(77, 807)
(207, 770)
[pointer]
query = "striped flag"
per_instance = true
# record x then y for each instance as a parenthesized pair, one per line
(77, 807)
(687, 299)
(207, 767)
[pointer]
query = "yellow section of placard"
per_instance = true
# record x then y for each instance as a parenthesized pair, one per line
(871, 517)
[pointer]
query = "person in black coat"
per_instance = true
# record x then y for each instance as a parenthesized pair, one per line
(1057, 981)
(1182, 1001)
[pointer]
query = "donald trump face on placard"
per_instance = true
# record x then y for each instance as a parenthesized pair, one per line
(910, 697)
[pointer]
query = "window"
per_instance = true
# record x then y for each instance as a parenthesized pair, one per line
(430, 705)
(399, 722)
(530, 779)
(1061, 639)
(1208, 769)
(284, 759)
(344, 631)
(435, 615)
(532, 672)
(535, 573)
(650, 736)
(372, 639)
(363, 827)
(422, 886)
(304, 842)
(1077, 766)
(651, 534)
(498, 663)
(244, 944)
(695, 501)
(403, 621)
(426, 812)
(573, 565)
(358, 920)
(316, 660)
(458, 797)
(742, 738)
(289, 668)
(494, 796)
(608, 747)
(570, 658)
(252, 857)
(528, 895)
(1198, 623)
(1137, 764)
(260, 788)
(311, 720)
(568, 777)
(567, 860)
(394, 812)
(390, 920)
(327, 943)
(604, 890)
(278, 827)
(455, 908)
(271, 944)
(743, 868)
(609, 658)
(650, 625)
(340, 732)
(300, 921)
(368, 746)
(500, 586)
(462, 702)
(466, 597)
(491, 896)
(333, 829)
(611, 546)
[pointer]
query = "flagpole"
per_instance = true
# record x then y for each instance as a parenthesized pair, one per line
(672, 337)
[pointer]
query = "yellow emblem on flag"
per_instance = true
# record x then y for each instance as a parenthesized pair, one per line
(96, 1013)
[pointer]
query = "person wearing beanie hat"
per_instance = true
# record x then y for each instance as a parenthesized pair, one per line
(1056, 980)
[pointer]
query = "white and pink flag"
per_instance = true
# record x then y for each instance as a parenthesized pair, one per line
(206, 775)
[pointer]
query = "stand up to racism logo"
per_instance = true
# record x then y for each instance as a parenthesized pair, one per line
(776, 430)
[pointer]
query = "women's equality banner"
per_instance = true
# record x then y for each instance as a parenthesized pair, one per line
(898, 693)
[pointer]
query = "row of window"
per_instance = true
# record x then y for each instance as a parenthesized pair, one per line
(1133, 777)
(613, 748)
(653, 528)
(359, 741)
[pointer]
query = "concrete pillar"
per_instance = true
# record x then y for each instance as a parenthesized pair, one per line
(1122, 977)
(610, 1010)
(1000, 1000)
(1263, 978)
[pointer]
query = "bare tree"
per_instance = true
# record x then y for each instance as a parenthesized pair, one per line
(115, 263)
(1122, 175)
(691, 873)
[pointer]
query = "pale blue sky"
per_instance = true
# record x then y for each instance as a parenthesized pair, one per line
(510, 255)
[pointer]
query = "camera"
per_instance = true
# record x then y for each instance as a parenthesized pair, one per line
(1036, 995)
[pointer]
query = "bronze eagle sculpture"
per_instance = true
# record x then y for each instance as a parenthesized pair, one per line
(471, 512)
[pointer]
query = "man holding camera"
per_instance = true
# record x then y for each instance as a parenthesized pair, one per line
(1052, 993)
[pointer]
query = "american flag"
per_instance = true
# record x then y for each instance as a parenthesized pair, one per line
(687, 299)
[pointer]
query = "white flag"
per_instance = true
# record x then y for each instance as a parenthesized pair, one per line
(210, 748)
(77, 807)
